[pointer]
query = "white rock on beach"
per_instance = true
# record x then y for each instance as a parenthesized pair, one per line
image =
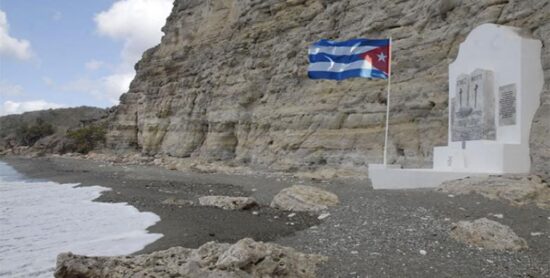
(246, 258)
(227, 202)
(488, 234)
(517, 190)
(304, 198)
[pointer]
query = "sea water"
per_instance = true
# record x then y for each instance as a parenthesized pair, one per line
(40, 219)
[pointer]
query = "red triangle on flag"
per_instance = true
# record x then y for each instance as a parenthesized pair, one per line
(379, 58)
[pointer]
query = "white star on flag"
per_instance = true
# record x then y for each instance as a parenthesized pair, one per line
(382, 57)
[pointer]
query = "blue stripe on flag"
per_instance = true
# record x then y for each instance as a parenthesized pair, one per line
(341, 59)
(353, 42)
(366, 73)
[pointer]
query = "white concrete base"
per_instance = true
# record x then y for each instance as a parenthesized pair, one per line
(483, 157)
(392, 177)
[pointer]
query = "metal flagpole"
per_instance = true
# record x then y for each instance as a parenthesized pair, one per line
(388, 107)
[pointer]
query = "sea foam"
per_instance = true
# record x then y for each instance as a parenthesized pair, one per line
(39, 220)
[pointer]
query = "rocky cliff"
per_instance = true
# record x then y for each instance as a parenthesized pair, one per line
(229, 82)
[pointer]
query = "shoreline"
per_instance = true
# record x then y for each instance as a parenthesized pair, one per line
(379, 233)
(151, 189)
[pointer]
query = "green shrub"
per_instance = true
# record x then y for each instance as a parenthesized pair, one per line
(28, 135)
(88, 138)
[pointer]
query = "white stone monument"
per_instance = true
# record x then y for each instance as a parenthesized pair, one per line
(494, 91)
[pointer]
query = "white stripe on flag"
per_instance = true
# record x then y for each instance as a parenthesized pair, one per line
(340, 50)
(336, 67)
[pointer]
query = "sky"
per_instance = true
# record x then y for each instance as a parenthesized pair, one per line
(66, 53)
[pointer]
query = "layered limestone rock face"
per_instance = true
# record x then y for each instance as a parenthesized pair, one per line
(229, 82)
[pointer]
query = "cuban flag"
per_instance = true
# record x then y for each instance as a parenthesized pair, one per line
(348, 59)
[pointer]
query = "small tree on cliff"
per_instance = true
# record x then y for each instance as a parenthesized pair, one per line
(88, 138)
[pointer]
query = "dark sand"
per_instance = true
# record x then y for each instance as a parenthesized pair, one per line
(146, 188)
(371, 234)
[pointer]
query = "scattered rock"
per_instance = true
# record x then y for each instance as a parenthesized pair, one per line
(323, 216)
(423, 252)
(518, 190)
(536, 234)
(291, 215)
(304, 198)
(246, 258)
(228, 203)
(487, 234)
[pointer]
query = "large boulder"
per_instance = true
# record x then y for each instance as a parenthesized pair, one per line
(246, 258)
(304, 198)
(517, 190)
(227, 202)
(487, 234)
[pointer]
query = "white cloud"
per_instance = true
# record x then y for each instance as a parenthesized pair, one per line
(10, 46)
(8, 89)
(116, 84)
(106, 88)
(12, 107)
(93, 65)
(138, 24)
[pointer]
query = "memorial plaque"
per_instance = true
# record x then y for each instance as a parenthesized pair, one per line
(462, 86)
(507, 105)
(474, 108)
